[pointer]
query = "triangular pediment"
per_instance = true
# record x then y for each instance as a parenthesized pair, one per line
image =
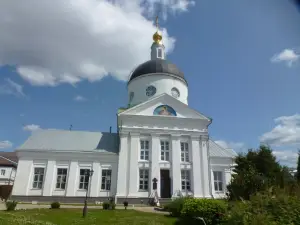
(164, 106)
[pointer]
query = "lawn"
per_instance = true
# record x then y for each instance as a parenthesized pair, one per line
(74, 216)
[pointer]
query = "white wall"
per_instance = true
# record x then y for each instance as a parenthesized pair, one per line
(51, 161)
(162, 83)
(9, 175)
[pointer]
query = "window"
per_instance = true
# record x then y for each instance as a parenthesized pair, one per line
(184, 152)
(84, 179)
(144, 180)
(61, 178)
(164, 147)
(175, 93)
(38, 178)
(185, 180)
(144, 153)
(106, 180)
(159, 53)
(150, 91)
(218, 181)
(3, 172)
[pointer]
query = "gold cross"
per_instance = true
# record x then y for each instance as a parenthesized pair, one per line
(156, 22)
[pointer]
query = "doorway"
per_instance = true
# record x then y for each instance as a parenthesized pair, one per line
(165, 184)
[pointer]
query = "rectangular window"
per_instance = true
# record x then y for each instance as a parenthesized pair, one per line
(184, 152)
(38, 177)
(159, 53)
(144, 153)
(106, 180)
(2, 172)
(144, 180)
(84, 179)
(61, 178)
(185, 180)
(218, 181)
(165, 150)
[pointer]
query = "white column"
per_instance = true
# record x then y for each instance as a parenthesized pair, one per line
(49, 178)
(196, 167)
(94, 183)
(122, 180)
(155, 157)
(176, 169)
(72, 178)
(133, 164)
(204, 166)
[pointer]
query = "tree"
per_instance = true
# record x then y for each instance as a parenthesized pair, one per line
(255, 171)
(298, 168)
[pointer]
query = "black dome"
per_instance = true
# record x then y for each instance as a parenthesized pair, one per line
(157, 66)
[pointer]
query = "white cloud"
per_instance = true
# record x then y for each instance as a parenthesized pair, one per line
(31, 127)
(72, 40)
(285, 132)
(289, 56)
(236, 146)
(286, 157)
(5, 144)
(79, 98)
(11, 88)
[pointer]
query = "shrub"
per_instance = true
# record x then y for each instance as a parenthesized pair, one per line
(212, 211)
(175, 206)
(125, 203)
(55, 205)
(11, 205)
(105, 205)
(112, 206)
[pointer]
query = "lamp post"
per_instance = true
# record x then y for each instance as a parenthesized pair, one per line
(88, 173)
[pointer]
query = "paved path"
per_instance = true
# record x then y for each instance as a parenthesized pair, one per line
(36, 206)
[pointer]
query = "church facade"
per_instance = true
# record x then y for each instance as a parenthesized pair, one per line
(159, 138)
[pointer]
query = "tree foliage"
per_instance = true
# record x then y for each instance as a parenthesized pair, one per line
(256, 171)
(298, 168)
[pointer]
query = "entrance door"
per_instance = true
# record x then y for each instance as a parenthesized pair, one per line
(165, 184)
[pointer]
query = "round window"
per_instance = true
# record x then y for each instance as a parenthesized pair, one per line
(175, 93)
(150, 91)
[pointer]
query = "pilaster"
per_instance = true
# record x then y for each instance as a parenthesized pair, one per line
(122, 180)
(205, 166)
(155, 157)
(196, 167)
(133, 164)
(73, 177)
(94, 188)
(176, 171)
(49, 178)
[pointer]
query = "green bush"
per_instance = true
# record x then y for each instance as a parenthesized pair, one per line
(112, 206)
(212, 211)
(105, 205)
(11, 205)
(55, 205)
(175, 206)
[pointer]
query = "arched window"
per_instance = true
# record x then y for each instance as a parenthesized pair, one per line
(164, 110)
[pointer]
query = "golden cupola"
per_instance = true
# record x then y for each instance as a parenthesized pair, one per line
(157, 37)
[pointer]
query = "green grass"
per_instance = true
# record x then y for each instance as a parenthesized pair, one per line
(74, 216)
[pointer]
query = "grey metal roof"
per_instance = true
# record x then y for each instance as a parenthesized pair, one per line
(64, 140)
(216, 150)
(157, 66)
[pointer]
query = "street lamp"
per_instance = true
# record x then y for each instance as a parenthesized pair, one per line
(88, 173)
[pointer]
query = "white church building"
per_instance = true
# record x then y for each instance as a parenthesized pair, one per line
(159, 136)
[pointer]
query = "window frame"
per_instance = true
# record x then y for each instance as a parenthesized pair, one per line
(165, 150)
(144, 179)
(144, 151)
(185, 180)
(60, 180)
(106, 183)
(3, 171)
(218, 181)
(86, 179)
(184, 151)
(40, 178)
(159, 53)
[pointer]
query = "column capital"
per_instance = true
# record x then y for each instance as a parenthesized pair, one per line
(195, 137)
(154, 135)
(123, 134)
(134, 134)
(204, 137)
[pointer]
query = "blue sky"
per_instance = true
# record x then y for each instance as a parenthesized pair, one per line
(239, 58)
